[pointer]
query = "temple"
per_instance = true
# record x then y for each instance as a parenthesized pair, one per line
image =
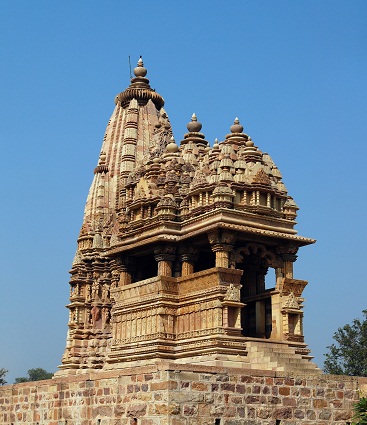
(186, 251)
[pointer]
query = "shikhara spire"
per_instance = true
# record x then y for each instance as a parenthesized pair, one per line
(175, 245)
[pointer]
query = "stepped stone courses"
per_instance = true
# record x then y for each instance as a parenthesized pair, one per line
(171, 317)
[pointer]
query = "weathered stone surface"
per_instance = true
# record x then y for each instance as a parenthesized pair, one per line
(108, 399)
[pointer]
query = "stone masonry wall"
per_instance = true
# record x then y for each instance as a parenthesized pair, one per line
(171, 394)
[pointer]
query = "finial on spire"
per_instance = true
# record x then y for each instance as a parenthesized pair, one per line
(140, 71)
(236, 127)
(194, 126)
(172, 147)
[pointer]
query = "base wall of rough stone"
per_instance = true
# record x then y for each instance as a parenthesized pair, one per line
(170, 394)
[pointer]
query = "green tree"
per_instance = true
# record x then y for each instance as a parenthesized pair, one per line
(348, 356)
(37, 374)
(3, 372)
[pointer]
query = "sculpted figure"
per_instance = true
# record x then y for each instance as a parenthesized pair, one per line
(95, 288)
(105, 316)
(88, 293)
(105, 292)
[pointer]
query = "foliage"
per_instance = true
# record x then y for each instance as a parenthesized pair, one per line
(349, 355)
(360, 412)
(2, 374)
(37, 374)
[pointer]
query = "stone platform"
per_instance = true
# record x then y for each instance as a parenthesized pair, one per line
(169, 394)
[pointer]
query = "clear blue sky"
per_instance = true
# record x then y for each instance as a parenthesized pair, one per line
(295, 74)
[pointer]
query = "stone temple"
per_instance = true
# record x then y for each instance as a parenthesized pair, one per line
(183, 305)
(175, 247)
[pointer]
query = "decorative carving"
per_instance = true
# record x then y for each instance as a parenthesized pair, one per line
(262, 178)
(287, 286)
(105, 292)
(95, 289)
(232, 294)
(291, 302)
(259, 250)
(88, 295)
(105, 316)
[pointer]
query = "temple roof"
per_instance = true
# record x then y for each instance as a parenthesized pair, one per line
(144, 178)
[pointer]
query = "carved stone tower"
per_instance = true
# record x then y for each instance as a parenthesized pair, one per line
(175, 247)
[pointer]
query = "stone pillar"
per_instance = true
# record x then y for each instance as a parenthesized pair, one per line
(187, 267)
(289, 259)
(165, 256)
(125, 276)
(222, 254)
(288, 254)
(188, 256)
(222, 242)
(278, 276)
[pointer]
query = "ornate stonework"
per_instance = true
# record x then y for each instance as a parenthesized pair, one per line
(175, 246)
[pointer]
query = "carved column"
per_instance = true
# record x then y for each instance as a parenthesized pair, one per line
(222, 254)
(289, 259)
(125, 276)
(288, 255)
(188, 256)
(165, 256)
(222, 242)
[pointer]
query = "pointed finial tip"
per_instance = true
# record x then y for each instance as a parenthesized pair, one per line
(193, 117)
